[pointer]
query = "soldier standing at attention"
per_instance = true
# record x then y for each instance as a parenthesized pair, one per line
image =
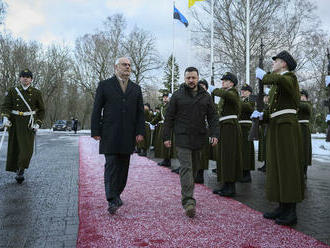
(230, 135)
(145, 144)
(23, 112)
(284, 174)
(247, 107)
(304, 115)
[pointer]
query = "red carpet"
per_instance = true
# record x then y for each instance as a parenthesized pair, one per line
(152, 215)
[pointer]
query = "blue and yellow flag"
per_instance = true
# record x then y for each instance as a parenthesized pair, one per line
(192, 2)
(177, 15)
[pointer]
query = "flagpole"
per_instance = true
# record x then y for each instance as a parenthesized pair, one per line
(212, 42)
(189, 44)
(247, 66)
(172, 84)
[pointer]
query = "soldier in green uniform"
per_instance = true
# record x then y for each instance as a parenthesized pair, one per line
(247, 107)
(23, 112)
(160, 150)
(145, 144)
(304, 115)
(262, 135)
(207, 146)
(284, 174)
(230, 135)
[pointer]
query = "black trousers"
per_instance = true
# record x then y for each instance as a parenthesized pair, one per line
(115, 175)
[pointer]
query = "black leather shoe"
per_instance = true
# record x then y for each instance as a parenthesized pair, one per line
(165, 162)
(119, 202)
(113, 207)
(276, 213)
(20, 176)
(229, 190)
(289, 217)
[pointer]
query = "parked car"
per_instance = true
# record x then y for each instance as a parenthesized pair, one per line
(62, 125)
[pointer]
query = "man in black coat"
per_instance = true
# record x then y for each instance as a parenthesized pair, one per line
(186, 114)
(118, 123)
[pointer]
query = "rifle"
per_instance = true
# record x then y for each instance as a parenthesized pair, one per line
(254, 131)
(327, 102)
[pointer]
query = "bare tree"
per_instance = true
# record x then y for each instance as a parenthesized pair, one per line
(140, 47)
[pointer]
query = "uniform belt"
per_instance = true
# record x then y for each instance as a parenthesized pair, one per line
(282, 112)
(303, 121)
(227, 117)
(16, 112)
(245, 121)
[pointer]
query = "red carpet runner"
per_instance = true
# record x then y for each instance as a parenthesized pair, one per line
(152, 215)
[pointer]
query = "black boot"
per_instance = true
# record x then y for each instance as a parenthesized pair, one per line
(246, 177)
(166, 162)
(20, 176)
(229, 190)
(217, 191)
(200, 177)
(177, 170)
(276, 213)
(137, 150)
(289, 217)
(143, 153)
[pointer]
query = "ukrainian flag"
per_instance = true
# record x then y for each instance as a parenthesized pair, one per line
(192, 2)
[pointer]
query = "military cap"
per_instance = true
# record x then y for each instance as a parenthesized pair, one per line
(165, 94)
(204, 82)
(247, 87)
(304, 92)
(230, 76)
(147, 104)
(26, 73)
(284, 55)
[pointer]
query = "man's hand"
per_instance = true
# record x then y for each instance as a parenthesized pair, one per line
(214, 141)
(6, 122)
(139, 138)
(97, 137)
(260, 73)
(257, 115)
(167, 143)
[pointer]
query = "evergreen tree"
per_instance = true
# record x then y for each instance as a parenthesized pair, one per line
(167, 79)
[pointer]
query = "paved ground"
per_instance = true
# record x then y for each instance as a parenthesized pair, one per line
(42, 212)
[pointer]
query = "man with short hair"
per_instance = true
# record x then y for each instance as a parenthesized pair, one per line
(284, 174)
(23, 112)
(230, 135)
(118, 123)
(188, 108)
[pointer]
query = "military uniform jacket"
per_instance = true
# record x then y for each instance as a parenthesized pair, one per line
(284, 174)
(123, 116)
(304, 114)
(20, 133)
(186, 116)
(230, 149)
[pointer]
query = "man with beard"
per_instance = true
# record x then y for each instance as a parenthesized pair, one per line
(188, 108)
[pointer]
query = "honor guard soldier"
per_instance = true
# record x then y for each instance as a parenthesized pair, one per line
(23, 112)
(247, 107)
(160, 150)
(145, 144)
(284, 174)
(230, 135)
(304, 115)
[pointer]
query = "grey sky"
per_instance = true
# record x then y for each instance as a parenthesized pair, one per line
(50, 21)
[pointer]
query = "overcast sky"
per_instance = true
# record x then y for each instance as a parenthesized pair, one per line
(50, 21)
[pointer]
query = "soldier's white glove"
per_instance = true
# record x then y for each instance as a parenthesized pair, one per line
(327, 81)
(152, 127)
(35, 127)
(257, 114)
(6, 122)
(260, 73)
(211, 88)
(327, 118)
